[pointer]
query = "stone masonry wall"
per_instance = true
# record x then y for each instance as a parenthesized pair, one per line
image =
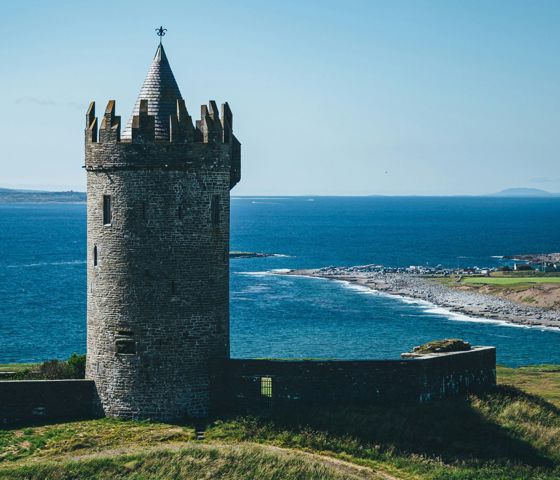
(158, 274)
(360, 382)
(292, 383)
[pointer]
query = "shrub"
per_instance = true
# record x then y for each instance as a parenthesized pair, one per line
(77, 365)
(54, 370)
(74, 367)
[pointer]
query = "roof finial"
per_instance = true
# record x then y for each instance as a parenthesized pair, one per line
(160, 32)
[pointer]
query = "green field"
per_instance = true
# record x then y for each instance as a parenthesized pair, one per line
(16, 367)
(511, 433)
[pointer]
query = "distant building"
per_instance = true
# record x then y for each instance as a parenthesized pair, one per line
(547, 267)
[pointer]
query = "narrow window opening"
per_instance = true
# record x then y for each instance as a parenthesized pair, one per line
(173, 287)
(125, 346)
(180, 213)
(95, 255)
(107, 210)
(266, 392)
(144, 211)
(215, 210)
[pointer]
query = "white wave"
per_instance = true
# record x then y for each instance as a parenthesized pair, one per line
(276, 271)
(359, 288)
(42, 264)
(256, 274)
(497, 256)
(260, 198)
(432, 308)
(461, 317)
(258, 288)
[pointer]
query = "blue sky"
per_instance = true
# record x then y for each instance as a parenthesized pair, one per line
(350, 97)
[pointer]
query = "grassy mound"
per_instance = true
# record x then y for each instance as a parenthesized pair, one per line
(231, 462)
(505, 434)
(510, 281)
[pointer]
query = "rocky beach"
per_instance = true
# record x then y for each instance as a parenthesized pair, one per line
(427, 288)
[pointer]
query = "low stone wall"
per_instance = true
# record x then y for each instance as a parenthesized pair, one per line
(255, 384)
(28, 401)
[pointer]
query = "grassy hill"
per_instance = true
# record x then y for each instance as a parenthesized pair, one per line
(530, 288)
(511, 433)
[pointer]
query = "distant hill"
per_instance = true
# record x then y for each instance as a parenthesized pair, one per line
(8, 195)
(525, 192)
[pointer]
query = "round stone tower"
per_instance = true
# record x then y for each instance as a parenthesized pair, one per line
(158, 252)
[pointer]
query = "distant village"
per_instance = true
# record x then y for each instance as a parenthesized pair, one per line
(525, 264)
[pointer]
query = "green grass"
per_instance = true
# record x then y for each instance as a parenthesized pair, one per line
(523, 273)
(17, 367)
(541, 380)
(506, 434)
(510, 433)
(231, 462)
(509, 280)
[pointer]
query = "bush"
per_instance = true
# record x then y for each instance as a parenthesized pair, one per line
(54, 370)
(74, 367)
(77, 365)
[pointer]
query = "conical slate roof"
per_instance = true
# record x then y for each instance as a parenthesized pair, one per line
(162, 92)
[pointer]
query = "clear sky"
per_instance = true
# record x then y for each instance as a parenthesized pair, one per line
(348, 97)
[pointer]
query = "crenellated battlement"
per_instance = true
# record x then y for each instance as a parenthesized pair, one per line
(210, 145)
(211, 128)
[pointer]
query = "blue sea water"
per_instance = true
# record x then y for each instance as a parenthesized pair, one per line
(43, 280)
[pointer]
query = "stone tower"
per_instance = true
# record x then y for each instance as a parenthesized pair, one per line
(158, 252)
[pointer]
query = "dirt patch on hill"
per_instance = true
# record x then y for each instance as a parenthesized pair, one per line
(538, 295)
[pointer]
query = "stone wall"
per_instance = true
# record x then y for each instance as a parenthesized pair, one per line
(360, 382)
(289, 383)
(29, 401)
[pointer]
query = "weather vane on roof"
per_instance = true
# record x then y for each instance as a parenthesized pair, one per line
(160, 32)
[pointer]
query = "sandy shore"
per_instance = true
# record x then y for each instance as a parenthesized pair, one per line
(473, 304)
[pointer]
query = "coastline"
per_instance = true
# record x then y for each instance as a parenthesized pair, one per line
(411, 286)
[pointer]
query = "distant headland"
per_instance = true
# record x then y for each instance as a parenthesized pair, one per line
(525, 193)
(8, 195)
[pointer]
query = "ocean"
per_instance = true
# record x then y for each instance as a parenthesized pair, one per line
(43, 275)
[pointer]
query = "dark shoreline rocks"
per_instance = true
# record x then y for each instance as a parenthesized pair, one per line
(535, 257)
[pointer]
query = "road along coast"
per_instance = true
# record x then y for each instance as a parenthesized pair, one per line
(426, 288)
